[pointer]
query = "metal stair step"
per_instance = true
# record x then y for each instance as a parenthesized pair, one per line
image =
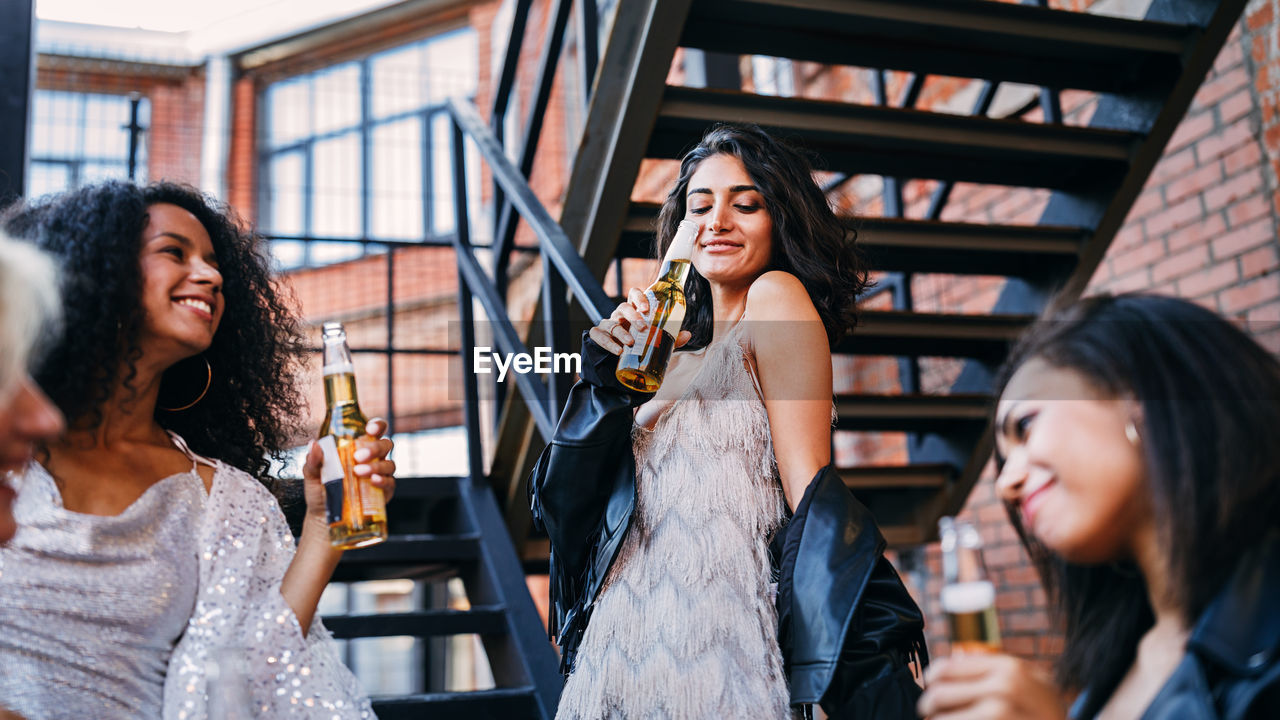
(911, 413)
(479, 620)
(964, 38)
(899, 245)
(426, 488)
(900, 332)
(878, 477)
(906, 143)
(497, 704)
(404, 556)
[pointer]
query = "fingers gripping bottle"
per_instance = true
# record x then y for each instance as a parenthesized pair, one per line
(968, 595)
(642, 366)
(357, 512)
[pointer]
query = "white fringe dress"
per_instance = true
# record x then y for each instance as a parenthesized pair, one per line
(685, 625)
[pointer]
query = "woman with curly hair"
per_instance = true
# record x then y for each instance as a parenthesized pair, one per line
(141, 556)
(668, 556)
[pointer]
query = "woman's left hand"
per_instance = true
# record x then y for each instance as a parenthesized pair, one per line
(988, 687)
(371, 462)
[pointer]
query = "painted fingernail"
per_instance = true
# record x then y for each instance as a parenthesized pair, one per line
(361, 469)
(362, 454)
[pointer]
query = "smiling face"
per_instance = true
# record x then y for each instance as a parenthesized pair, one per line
(736, 244)
(181, 286)
(1070, 470)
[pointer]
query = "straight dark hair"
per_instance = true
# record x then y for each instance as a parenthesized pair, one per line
(809, 241)
(1210, 400)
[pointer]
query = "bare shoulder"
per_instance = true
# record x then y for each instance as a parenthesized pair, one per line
(779, 295)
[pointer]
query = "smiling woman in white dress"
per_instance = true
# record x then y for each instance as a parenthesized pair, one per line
(147, 541)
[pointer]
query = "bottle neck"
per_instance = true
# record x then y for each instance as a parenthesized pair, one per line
(674, 272)
(339, 372)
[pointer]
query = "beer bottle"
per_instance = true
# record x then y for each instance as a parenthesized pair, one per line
(968, 596)
(356, 509)
(642, 365)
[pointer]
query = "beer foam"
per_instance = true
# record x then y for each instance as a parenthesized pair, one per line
(969, 597)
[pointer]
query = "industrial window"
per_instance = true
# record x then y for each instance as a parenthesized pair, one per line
(79, 138)
(359, 152)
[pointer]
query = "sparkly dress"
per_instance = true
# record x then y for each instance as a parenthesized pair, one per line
(685, 625)
(110, 617)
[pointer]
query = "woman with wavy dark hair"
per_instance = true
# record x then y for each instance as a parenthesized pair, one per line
(142, 559)
(668, 556)
(1137, 455)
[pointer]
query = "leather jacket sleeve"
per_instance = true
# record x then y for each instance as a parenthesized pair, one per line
(847, 626)
(571, 484)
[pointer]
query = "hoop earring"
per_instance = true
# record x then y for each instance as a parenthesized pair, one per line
(207, 382)
(1131, 432)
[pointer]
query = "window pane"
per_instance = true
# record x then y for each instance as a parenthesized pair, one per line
(325, 253)
(451, 64)
(92, 172)
(335, 187)
(288, 111)
(441, 174)
(288, 253)
(397, 81)
(57, 117)
(285, 178)
(45, 178)
(397, 180)
(336, 98)
(105, 131)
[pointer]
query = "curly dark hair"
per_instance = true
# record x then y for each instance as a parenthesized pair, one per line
(809, 241)
(251, 408)
(1210, 399)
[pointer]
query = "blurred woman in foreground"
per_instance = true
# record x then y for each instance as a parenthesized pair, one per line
(1136, 440)
(28, 308)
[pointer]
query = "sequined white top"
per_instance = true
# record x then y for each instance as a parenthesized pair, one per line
(116, 617)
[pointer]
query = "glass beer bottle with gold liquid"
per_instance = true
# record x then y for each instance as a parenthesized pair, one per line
(356, 509)
(968, 595)
(642, 366)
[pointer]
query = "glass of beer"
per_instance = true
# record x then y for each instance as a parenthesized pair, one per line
(968, 595)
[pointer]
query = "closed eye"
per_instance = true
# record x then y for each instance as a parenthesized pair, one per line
(699, 211)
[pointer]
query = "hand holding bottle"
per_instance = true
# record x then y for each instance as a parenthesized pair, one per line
(371, 454)
(617, 332)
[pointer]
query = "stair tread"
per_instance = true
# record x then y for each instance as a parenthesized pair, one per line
(917, 475)
(910, 413)
(914, 245)
(1039, 46)
(906, 143)
(431, 486)
(480, 619)
(493, 704)
(909, 333)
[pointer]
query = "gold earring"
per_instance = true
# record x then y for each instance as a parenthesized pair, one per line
(207, 382)
(1131, 432)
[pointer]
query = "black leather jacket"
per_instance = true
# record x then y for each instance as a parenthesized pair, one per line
(848, 629)
(1231, 670)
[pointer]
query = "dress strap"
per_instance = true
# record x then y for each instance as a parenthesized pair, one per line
(186, 450)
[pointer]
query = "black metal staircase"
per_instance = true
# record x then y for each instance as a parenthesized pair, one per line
(1145, 72)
